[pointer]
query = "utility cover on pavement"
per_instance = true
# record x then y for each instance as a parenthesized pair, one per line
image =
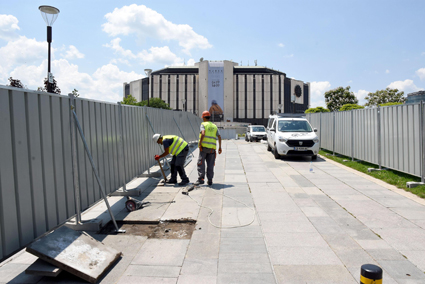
(75, 252)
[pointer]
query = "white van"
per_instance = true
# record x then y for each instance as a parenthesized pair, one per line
(255, 133)
(291, 135)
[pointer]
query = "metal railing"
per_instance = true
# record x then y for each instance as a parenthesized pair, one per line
(36, 180)
(390, 137)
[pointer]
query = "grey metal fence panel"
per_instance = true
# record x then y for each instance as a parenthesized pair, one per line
(36, 182)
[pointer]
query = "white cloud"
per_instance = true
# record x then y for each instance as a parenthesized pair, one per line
(421, 73)
(104, 84)
(288, 56)
(191, 62)
(318, 90)
(360, 95)
(8, 27)
(406, 86)
(145, 22)
(281, 45)
(73, 53)
(22, 51)
(154, 55)
(387, 71)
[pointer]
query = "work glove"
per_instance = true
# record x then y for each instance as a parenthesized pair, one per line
(156, 157)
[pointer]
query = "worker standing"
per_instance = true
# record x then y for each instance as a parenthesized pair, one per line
(177, 147)
(207, 145)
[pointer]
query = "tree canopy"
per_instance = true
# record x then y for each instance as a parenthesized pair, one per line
(15, 83)
(316, 109)
(338, 97)
(153, 102)
(350, 107)
(385, 96)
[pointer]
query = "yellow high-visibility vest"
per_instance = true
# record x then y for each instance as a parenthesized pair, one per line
(177, 146)
(210, 138)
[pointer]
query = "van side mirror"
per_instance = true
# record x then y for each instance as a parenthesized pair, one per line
(315, 129)
(272, 129)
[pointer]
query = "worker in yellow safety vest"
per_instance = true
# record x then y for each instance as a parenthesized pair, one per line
(177, 147)
(208, 137)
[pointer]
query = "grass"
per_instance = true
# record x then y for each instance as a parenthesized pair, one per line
(393, 177)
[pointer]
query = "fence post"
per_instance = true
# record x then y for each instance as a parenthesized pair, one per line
(422, 116)
(121, 134)
(379, 138)
(74, 159)
(333, 134)
(320, 133)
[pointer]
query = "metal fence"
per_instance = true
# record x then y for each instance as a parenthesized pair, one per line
(390, 137)
(36, 181)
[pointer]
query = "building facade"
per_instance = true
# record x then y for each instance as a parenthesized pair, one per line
(230, 92)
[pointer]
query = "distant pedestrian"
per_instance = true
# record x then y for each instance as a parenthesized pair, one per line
(208, 137)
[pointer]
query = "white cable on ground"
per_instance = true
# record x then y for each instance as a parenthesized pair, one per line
(225, 227)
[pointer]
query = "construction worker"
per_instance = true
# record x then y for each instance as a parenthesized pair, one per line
(177, 147)
(207, 145)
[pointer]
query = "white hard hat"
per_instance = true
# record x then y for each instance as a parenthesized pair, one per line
(155, 137)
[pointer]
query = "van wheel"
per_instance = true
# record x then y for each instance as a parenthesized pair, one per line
(268, 147)
(314, 157)
(275, 153)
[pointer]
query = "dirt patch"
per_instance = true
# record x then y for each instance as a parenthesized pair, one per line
(161, 230)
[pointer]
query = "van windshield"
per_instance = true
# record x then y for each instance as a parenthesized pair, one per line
(258, 129)
(294, 126)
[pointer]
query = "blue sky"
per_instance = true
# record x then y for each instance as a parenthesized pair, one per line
(98, 45)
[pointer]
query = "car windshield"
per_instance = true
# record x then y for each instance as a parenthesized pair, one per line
(258, 129)
(294, 126)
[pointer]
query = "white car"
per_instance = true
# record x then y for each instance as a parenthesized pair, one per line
(255, 133)
(290, 135)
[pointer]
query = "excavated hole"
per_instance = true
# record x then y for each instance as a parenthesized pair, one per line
(179, 229)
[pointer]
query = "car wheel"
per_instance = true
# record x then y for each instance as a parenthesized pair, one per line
(275, 153)
(314, 157)
(268, 147)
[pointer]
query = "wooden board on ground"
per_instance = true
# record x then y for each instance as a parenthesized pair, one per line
(75, 252)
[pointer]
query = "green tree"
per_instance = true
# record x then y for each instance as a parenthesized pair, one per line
(385, 96)
(54, 85)
(15, 83)
(75, 93)
(350, 107)
(338, 97)
(129, 100)
(390, 104)
(155, 103)
(316, 109)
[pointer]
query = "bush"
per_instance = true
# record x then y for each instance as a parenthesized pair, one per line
(390, 104)
(350, 107)
(317, 109)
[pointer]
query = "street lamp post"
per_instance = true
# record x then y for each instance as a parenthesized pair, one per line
(183, 104)
(148, 73)
(49, 15)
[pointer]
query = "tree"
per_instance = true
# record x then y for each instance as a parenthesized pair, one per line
(155, 103)
(129, 100)
(55, 87)
(338, 97)
(385, 96)
(15, 83)
(316, 109)
(350, 107)
(75, 93)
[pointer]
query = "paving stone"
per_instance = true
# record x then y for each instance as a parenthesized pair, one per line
(402, 269)
(204, 267)
(326, 274)
(244, 257)
(244, 267)
(162, 252)
(153, 271)
(251, 278)
(295, 240)
(15, 273)
(385, 254)
(303, 256)
(196, 279)
(417, 257)
(203, 246)
(136, 279)
(245, 245)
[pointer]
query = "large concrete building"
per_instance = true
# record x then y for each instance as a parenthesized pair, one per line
(233, 93)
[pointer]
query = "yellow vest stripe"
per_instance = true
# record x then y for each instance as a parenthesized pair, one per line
(178, 144)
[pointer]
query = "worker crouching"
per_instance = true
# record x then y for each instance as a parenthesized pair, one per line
(179, 149)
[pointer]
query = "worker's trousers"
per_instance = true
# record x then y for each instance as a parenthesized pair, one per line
(177, 165)
(206, 156)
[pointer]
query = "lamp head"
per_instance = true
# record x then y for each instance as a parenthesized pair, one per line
(148, 72)
(49, 14)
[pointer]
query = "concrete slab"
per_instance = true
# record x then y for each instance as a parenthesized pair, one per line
(325, 274)
(42, 268)
(164, 252)
(75, 252)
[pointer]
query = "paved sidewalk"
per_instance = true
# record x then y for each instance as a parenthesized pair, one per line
(308, 227)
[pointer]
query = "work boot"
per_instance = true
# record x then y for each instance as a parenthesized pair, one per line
(171, 181)
(210, 182)
(184, 182)
(199, 181)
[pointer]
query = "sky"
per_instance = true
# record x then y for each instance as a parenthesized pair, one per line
(99, 45)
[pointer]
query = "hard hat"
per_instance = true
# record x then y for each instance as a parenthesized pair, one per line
(214, 102)
(206, 113)
(155, 137)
